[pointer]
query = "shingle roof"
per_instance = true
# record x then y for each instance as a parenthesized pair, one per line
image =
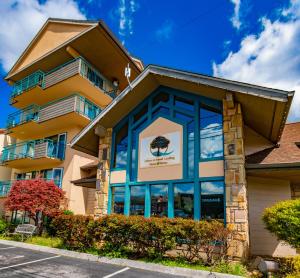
(286, 152)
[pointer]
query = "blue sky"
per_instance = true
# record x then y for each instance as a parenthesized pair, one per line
(246, 40)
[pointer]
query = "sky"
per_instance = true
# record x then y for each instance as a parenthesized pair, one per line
(246, 40)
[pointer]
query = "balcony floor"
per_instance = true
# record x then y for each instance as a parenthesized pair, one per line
(35, 130)
(67, 87)
(31, 163)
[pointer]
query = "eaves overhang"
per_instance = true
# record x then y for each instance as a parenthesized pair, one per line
(61, 48)
(240, 88)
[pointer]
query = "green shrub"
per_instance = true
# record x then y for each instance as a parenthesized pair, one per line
(145, 237)
(3, 226)
(290, 266)
(76, 231)
(283, 220)
(68, 212)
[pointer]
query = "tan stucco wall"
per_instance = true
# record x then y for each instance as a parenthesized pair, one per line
(168, 172)
(211, 169)
(264, 193)
(54, 35)
(118, 176)
(4, 171)
(77, 196)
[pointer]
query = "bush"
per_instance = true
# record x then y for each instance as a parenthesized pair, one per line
(3, 226)
(68, 212)
(289, 267)
(76, 231)
(145, 237)
(283, 220)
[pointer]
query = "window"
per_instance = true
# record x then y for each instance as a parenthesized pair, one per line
(19, 217)
(121, 144)
(57, 176)
(161, 110)
(184, 200)
(137, 200)
(57, 146)
(211, 134)
(118, 195)
(183, 103)
(159, 200)
(212, 200)
(140, 113)
(161, 97)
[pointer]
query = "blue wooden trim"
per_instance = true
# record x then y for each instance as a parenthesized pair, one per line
(147, 200)
(129, 154)
(141, 124)
(170, 200)
(218, 178)
(117, 169)
(197, 199)
(211, 159)
(117, 185)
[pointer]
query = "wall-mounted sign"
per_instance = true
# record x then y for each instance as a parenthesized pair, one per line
(160, 150)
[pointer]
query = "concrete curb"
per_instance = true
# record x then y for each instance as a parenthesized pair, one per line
(179, 271)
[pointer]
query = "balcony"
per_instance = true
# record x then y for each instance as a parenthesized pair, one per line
(76, 75)
(5, 186)
(32, 154)
(38, 121)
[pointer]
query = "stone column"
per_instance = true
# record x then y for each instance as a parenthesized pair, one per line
(235, 177)
(103, 174)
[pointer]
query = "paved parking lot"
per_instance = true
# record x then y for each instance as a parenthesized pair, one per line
(21, 262)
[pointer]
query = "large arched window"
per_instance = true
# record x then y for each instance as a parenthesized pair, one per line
(189, 197)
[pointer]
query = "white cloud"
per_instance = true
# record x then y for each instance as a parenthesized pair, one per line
(21, 20)
(212, 188)
(126, 12)
(270, 58)
(235, 19)
(165, 31)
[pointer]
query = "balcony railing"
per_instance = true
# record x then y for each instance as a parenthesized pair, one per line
(87, 108)
(34, 150)
(74, 103)
(30, 81)
(18, 151)
(5, 186)
(28, 114)
(62, 72)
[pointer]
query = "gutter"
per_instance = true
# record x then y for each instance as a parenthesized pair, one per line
(273, 166)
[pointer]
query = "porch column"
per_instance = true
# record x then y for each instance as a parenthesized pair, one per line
(235, 177)
(103, 174)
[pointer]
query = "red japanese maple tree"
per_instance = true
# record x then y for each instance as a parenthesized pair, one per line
(38, 197)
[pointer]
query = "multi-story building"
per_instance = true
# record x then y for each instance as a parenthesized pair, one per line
(68, 73)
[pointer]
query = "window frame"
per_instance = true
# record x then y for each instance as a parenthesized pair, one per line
(134, 128)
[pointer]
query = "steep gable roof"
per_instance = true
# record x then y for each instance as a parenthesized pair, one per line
(54, 33)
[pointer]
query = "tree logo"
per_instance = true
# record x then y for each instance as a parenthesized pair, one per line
(159, 146)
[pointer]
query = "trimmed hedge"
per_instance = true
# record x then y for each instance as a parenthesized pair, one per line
(146, 237)
(283, 220)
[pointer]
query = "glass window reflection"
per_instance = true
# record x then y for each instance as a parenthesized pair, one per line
(137, 200)
(120, 158)
(211, 138)
(184, 200)
(118, 194)
(212, 200)
(159, 200)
